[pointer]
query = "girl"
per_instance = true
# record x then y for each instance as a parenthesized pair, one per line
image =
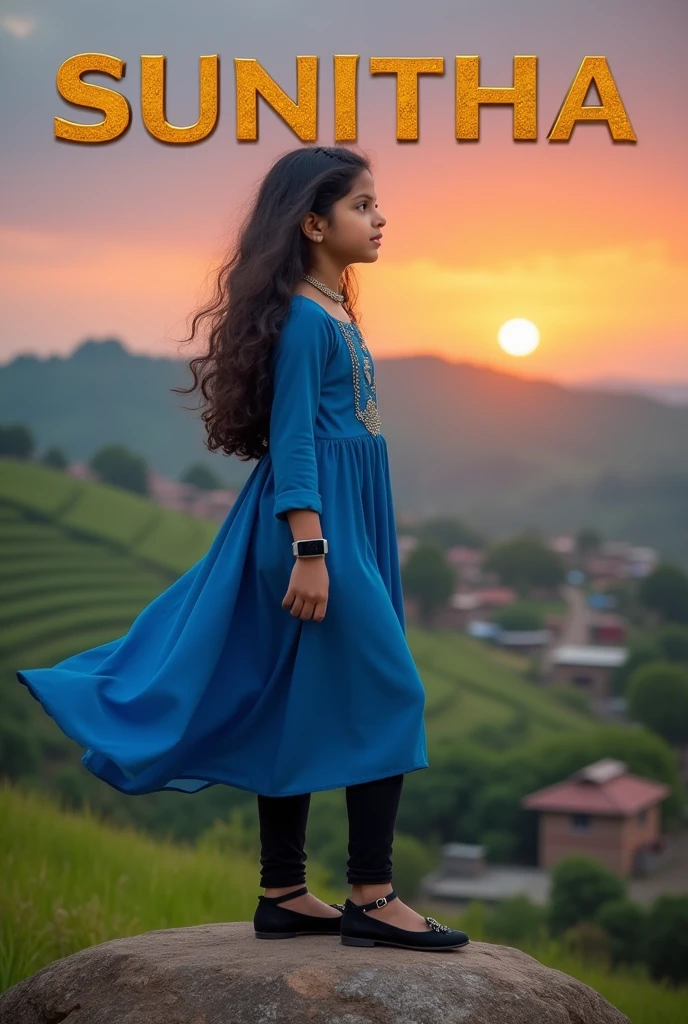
(279, 663)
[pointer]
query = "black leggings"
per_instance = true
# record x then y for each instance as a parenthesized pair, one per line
(372, 809)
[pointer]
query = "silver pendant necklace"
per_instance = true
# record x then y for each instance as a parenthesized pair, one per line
(337, 296)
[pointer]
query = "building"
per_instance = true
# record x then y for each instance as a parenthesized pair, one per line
(523, 641)
(607, 628)
(464, 875)
(605, 812)
(465, 607)
(194, 501)
(587, 667)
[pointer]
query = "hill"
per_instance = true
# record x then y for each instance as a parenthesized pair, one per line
(495, 448)
(79, 560)
(70, 881)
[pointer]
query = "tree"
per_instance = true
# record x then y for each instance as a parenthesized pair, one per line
(120, 467)
(17, 441)
(657, 696)
(202, 477)
(665, 590)
(448, 533)
(587, 539)
(55, 457)
(667, 938)
(580, 886)
(639, 653)
(428, 576)
(519, 616)
(525, 562)
(673, 642)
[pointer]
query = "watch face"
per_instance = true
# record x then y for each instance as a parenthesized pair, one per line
(311, 547)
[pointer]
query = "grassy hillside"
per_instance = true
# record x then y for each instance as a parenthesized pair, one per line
(68, 881)
(470, 685)
(81, 510)
(79, 561)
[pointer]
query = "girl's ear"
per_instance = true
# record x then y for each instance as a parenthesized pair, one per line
(310, 227)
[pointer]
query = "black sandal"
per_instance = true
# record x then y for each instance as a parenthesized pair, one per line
(271, 921)
(357, 929)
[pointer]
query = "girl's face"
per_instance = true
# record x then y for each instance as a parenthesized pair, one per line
(356, 221)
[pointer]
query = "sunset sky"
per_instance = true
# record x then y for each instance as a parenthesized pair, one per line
(587, 239)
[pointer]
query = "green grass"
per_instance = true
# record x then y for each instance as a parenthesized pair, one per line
(110, 516)
(68, 881)
(468, 683)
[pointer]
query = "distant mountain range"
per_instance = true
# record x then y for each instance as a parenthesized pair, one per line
(670, 392)
(503, 452)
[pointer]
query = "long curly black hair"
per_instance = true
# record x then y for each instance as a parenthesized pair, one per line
(253, 291)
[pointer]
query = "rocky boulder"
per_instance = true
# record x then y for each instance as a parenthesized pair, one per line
(222, 974)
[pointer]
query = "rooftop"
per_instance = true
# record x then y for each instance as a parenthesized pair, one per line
(604, 787)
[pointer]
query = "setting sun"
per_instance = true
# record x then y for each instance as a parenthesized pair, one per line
(518, 337)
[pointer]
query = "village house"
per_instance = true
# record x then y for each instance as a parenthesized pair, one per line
(586, 667)
(464, 875)
(523, 641)
(603, 811)
(607, 628)
(466, 607)
(194, 501)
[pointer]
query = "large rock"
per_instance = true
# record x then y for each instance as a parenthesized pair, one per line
(222, 974)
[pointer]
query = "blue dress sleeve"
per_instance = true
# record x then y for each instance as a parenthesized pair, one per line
(299, 363)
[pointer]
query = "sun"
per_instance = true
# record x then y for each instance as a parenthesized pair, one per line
(518, 337)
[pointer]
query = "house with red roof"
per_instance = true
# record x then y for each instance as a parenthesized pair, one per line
(603, 811)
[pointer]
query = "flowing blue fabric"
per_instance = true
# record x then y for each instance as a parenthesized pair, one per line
(216, 682)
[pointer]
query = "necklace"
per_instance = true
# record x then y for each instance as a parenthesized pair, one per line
(337, 296)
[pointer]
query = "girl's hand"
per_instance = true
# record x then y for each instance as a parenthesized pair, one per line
(308, 589)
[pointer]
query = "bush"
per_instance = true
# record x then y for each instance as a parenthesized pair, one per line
(412, 861)
(231, 836)
(658, 697)
(572, 698)
(18, 752)
(499, 844)
(519, 616)
(626, 925)
(515, 920)
(667, 939)
(589, 942)
(71, 788)
(580, 886)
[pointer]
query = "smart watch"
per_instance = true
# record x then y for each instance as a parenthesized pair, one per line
(309, 548)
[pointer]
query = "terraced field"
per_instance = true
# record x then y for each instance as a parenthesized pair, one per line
(79, 560)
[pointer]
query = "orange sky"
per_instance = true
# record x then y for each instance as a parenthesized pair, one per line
(587, 239)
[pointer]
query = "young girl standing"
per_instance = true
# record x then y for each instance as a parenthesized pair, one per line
(279, 663)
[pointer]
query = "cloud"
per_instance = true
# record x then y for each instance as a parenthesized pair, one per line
(17, 26)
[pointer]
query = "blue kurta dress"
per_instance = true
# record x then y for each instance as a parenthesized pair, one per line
(216, 682)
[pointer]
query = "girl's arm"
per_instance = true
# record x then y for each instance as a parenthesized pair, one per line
(299, 365)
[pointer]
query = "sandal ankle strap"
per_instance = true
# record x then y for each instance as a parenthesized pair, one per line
(381, 901)
(285, 895)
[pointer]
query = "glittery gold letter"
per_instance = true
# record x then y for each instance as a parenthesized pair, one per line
(345, 127)
(407, 70)
(612, 110)
(470, 96)
(71, 87)
(252, 78)
(153, 101)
